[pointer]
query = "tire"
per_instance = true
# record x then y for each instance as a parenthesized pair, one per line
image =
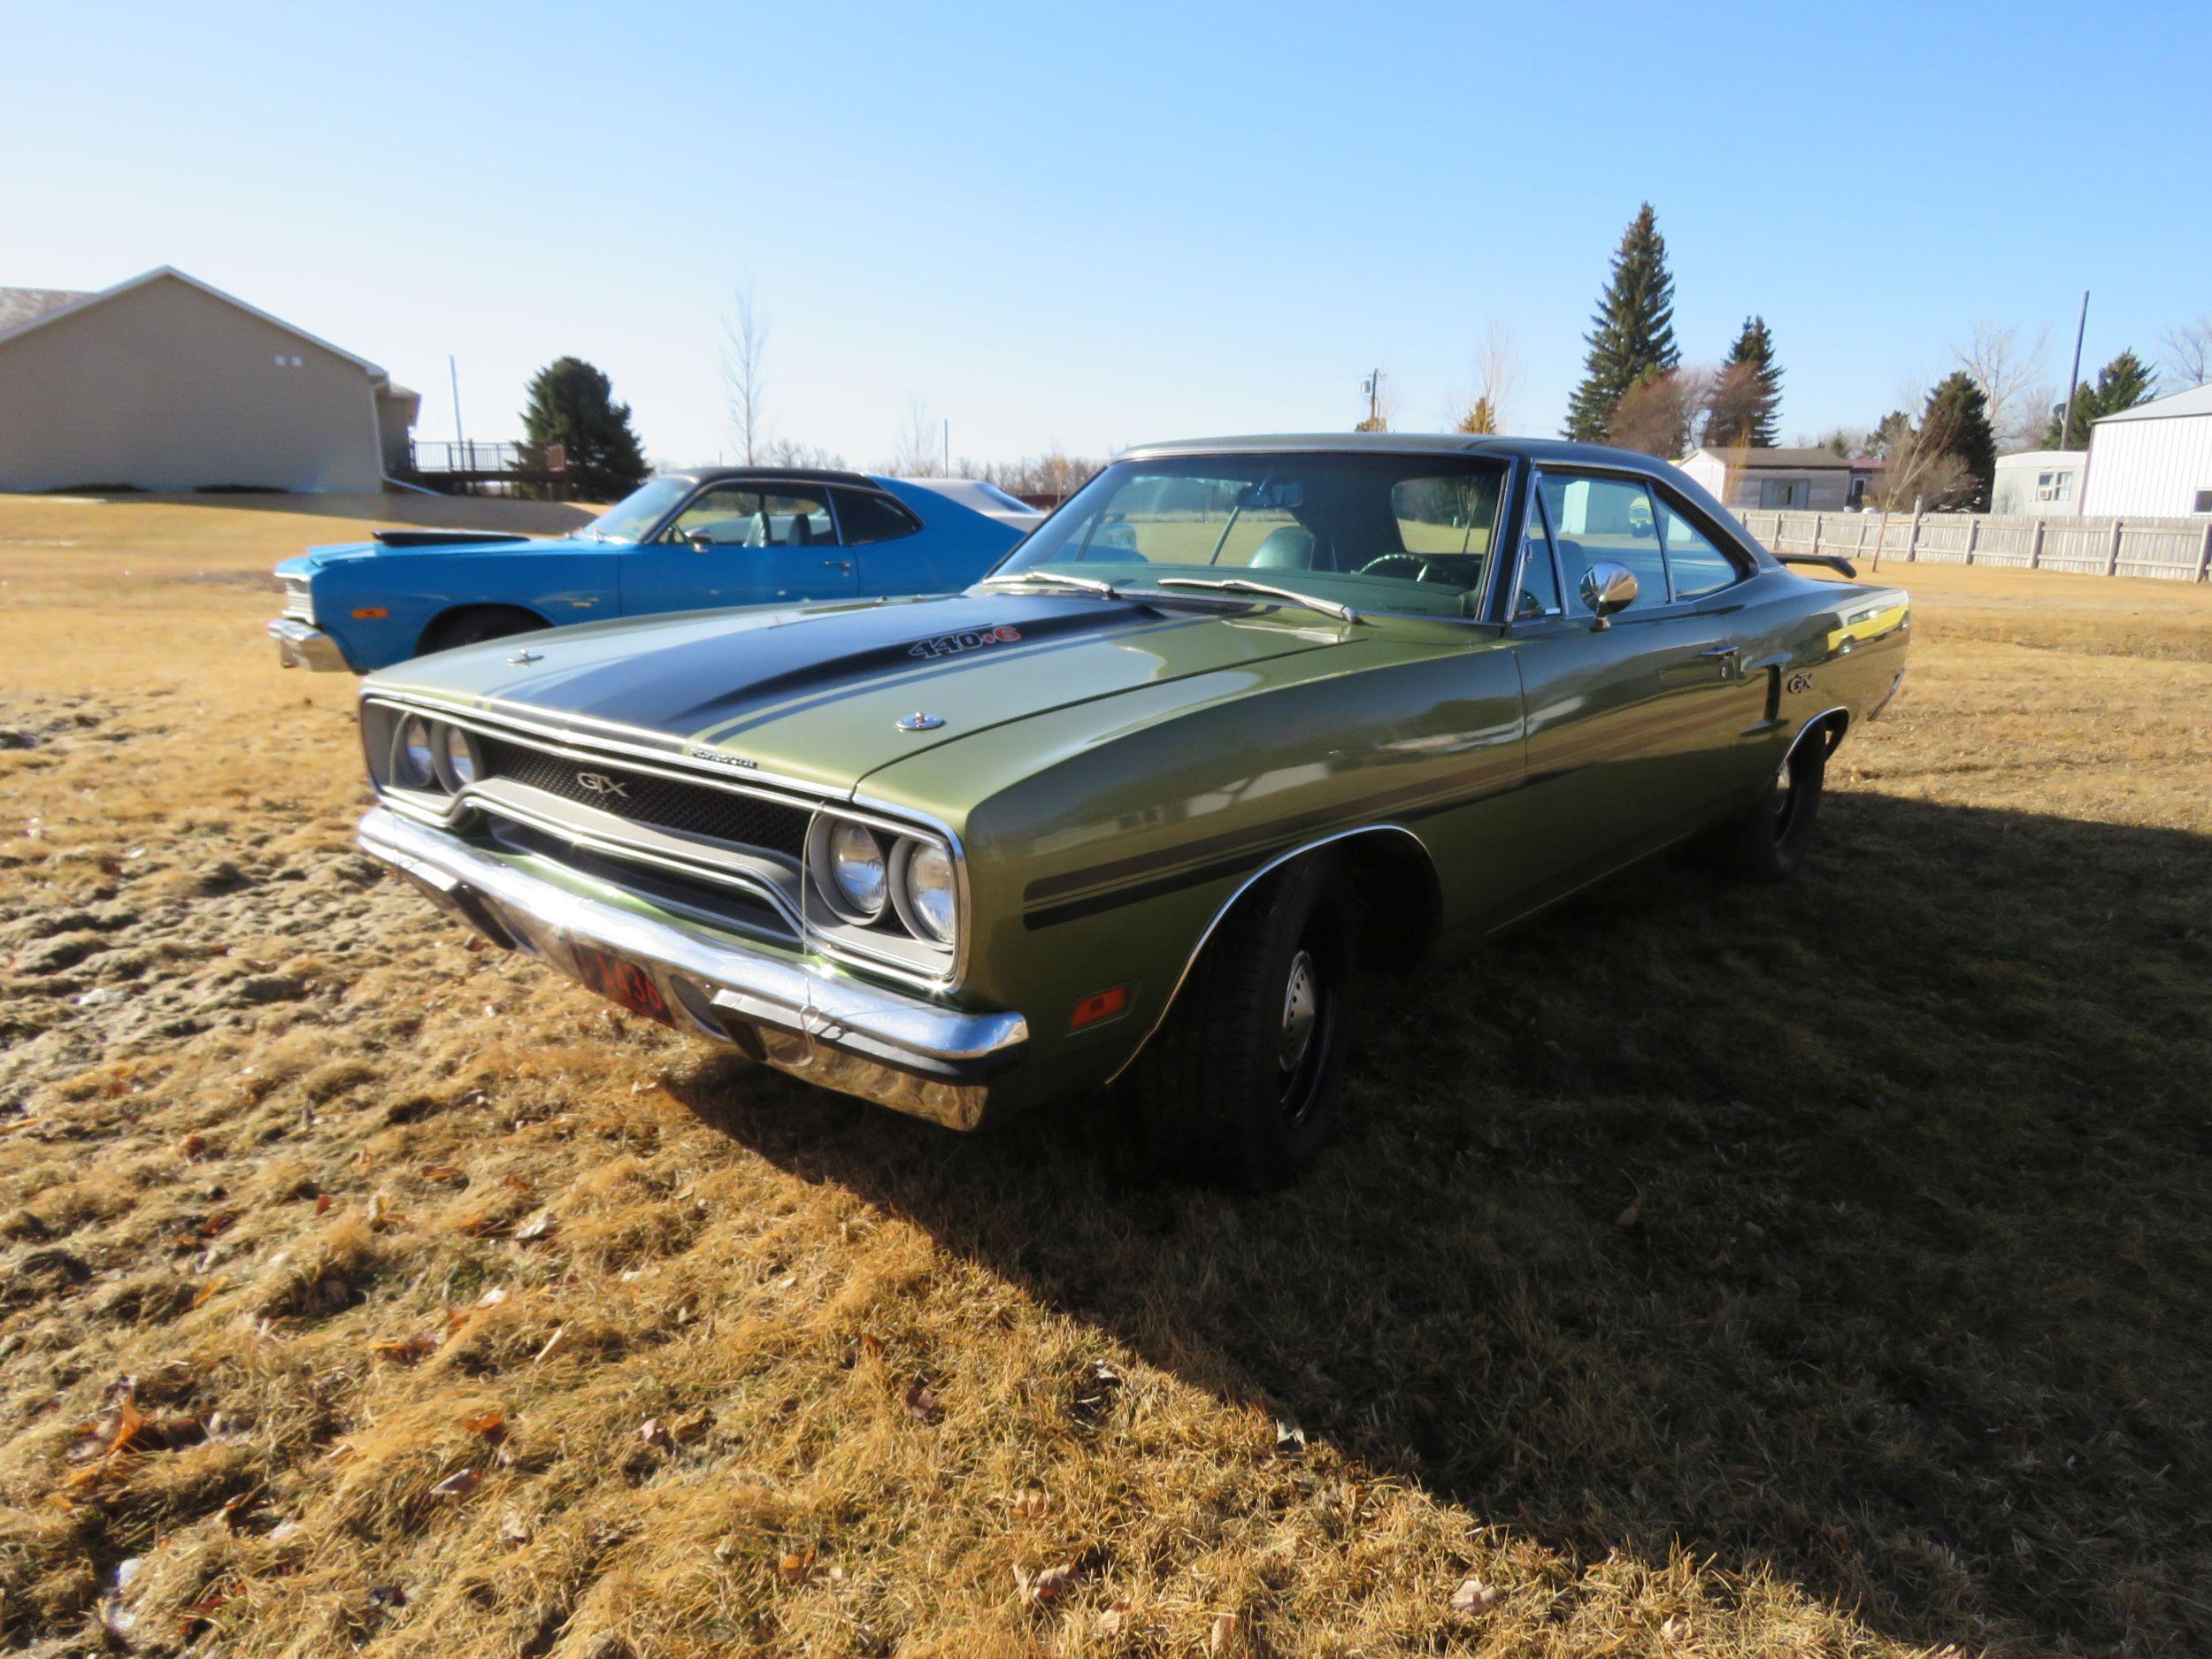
(1226, 1092)
(475, 626)
(1768, 841)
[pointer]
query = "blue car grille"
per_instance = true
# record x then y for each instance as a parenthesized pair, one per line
(693, 808)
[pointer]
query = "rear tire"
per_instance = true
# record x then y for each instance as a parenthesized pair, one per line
(476, 625)
(1240, 1086)
(1768, 843)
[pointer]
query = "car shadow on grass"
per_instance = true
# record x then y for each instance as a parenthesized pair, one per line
(1859, 1228)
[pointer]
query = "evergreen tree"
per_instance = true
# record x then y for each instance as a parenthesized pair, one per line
(572, 403)
(1956, 424)
(1747, 399)
(1632, 336)
(2122, 383)
(1480, 419)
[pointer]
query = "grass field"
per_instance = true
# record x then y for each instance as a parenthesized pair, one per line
(1705, 1271)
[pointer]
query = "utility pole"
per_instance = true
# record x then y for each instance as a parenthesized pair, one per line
(1372, 387)
(454, 369)
(948, 446)
(2066, 420)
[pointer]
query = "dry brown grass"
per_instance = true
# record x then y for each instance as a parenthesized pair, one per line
(1705, 1271)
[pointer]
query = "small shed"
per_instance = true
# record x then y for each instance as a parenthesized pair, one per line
(2040, 483)
(2153, 460)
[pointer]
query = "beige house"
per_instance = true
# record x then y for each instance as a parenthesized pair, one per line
(164, 383)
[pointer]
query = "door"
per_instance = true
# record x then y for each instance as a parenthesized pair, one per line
(745, 543)
(1639, 730)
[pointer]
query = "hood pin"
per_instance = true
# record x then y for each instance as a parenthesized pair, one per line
(919, 722)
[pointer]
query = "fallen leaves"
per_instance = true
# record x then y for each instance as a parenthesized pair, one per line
(921, 1404)
(1042, 1589)
(454, 1488)
(408, 1350)
(1474, 1597)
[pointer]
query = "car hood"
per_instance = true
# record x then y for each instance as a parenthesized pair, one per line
(415, 543)
(816, 692)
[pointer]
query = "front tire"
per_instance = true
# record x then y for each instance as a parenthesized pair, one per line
(1769, 840)
(1240, 1087)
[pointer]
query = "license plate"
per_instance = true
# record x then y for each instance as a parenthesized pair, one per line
(621, 981)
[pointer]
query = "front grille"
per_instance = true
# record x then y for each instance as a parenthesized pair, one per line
(694, 808)
(716, 899)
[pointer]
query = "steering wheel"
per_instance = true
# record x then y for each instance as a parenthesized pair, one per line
(1423, 571)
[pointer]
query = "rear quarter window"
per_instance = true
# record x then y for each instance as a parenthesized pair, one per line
(866, 519)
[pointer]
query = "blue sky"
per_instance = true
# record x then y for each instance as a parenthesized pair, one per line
(1092, 227)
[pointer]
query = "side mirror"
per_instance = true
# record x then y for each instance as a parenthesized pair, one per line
(702, 538)
(1607, 588)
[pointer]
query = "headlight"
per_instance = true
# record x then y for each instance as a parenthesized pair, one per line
(929, 902)
(857, 871)
(458, 765)
(414, 762)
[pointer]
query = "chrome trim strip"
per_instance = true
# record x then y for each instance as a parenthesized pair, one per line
(1229, 904)
(796, 998)
(1816, 720)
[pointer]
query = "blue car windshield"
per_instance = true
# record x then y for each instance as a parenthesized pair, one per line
(1389, 531)
(633, 517)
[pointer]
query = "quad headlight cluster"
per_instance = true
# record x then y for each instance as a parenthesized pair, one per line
(431, 756)
(875, 877)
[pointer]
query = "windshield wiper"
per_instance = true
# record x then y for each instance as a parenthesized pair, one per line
(1239, 585)
(1087, 584)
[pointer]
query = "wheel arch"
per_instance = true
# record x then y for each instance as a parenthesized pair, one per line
(1389, 852)
(452, 613)
(1832, 724)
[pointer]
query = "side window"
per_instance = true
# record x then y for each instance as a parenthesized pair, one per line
(1698, 568)
(1597, 518)
(1539, 596)
(1446, 522)
(734, 515)
(867, 519)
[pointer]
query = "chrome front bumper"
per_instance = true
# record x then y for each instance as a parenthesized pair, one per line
(898, 1050)
(300, 645)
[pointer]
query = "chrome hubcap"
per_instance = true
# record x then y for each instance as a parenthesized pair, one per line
(1302, 1001)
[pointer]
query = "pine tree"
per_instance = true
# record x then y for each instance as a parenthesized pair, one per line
(2122, 383)
(1480, 419)
(1632, 336)
(572, 403)
(1956, 424)
(1747, 399)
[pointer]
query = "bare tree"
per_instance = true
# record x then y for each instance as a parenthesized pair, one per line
(784, 452)
(1498, 375)
(1661, 413)
(1918, 469)
(921, 453)
(2189, 352)
(745, 374)
(2007, 374)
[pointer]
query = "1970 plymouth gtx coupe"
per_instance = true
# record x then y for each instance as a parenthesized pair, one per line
(1242, 718)
(684, 542)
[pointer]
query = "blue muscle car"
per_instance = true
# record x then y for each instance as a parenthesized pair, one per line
(694, 541)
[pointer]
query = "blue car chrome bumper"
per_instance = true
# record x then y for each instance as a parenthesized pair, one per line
(301, 645)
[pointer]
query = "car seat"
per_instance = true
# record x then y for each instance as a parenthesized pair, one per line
(1287, 548)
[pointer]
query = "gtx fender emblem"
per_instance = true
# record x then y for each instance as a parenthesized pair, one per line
(1800, 683)
(598, 784)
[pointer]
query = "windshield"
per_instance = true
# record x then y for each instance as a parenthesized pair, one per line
(633, 517)
(1388, 531)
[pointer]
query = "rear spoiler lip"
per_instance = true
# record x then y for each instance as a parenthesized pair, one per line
(1835, 562)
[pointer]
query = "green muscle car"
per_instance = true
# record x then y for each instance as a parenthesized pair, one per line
(1243, 722)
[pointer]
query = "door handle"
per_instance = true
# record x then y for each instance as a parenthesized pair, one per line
(837, 565)
(1718, 652)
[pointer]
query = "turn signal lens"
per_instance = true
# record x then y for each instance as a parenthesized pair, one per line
(1102, 1005)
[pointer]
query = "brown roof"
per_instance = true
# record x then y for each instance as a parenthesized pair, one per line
(20, 305)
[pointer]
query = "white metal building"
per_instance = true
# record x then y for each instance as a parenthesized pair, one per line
(2040, 483)
(2153, 460)
(164, 383)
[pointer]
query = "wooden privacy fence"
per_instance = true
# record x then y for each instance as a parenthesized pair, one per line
(2179, 549)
